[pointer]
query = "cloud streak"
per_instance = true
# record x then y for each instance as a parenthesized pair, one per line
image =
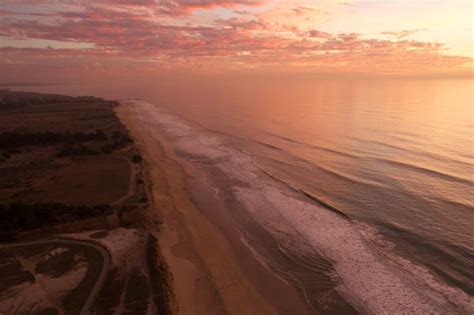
(401, 34)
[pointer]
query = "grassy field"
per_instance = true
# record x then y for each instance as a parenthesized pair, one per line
(61, 149)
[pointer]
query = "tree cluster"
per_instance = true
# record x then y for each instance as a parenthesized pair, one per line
(22, 216)
(10, 140)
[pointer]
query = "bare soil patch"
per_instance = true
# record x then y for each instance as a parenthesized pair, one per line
(100, 234)
(47, 278)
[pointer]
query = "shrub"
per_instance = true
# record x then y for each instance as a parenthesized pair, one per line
(11, 140)
(14, 151)
(107, 149)
(79, 150)
(20, 216)
(137, 158)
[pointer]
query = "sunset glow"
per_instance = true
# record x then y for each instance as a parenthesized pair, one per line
(54, 38)
(199, 157)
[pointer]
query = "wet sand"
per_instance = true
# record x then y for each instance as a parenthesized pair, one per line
(213, 272)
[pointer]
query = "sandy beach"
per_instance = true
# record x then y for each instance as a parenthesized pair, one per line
(212, 272)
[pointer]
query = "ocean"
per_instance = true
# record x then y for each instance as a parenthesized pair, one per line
(362, 189)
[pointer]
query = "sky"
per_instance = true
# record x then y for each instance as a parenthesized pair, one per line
(51, 40)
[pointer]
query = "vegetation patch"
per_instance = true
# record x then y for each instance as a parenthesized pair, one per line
(9, 140)
(15, 217)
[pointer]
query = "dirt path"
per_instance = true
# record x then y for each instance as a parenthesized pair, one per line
(100, 279)
(132, 185)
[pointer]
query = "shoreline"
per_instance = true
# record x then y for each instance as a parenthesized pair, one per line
(219, 194)
(211, 271)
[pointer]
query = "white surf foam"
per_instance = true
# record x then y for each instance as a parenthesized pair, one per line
(369, 276)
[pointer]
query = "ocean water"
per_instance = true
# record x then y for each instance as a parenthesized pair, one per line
(367, 182)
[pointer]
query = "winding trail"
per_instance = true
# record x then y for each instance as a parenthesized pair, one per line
(103, 272)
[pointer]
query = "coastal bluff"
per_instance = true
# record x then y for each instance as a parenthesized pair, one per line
(72, 204)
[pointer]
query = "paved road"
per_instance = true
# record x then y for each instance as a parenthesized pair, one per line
(103, 272)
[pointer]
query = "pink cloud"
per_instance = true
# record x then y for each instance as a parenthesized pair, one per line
(301, 10)
(401, 34)
(138, 30)
(184, 7)
(319, 34)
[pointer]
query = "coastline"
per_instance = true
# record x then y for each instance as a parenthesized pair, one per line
(229, 220)
(211, 271)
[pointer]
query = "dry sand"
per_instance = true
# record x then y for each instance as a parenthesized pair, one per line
(210, 273)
